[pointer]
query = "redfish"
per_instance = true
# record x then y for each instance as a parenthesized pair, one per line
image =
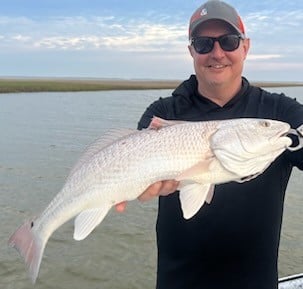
(123, 163)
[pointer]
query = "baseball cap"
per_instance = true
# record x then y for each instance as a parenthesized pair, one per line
(215, 9)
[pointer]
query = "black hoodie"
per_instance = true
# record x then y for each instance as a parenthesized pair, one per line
(231, 243)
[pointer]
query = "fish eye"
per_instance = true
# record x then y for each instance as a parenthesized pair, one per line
(265, 123)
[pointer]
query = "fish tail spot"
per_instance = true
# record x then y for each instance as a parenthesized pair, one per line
(30, 247)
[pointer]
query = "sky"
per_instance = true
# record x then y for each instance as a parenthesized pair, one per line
(128, 39)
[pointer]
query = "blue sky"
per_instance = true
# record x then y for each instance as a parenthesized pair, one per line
(138, 39)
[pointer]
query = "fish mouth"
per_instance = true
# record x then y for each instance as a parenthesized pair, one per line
(283, 138)
(284, 132)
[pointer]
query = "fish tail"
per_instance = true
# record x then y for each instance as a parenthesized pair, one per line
(30, 246)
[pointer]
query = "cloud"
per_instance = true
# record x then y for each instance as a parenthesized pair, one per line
(159, 41)
(272, 33)
(78, 33)
(273, 21)
(20, 38)
(262, 56)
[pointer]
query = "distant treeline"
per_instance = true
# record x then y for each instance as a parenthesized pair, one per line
(9, 85)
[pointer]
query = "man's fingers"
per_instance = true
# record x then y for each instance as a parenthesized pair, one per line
(162, 188)
(120, 207)
(168, 187)
(151, 192)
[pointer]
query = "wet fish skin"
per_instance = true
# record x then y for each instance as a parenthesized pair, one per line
(122, 164)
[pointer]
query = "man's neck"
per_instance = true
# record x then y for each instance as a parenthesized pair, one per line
(219, 94)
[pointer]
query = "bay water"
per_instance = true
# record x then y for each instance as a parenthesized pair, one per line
(41, 137)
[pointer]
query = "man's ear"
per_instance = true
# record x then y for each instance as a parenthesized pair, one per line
(246, 46)
(191, 50)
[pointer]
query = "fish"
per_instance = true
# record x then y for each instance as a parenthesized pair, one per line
(122, 163)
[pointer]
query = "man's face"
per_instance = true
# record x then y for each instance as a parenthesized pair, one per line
(218, 67)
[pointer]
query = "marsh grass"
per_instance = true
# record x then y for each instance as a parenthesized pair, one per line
(39, 85)
(11, 85)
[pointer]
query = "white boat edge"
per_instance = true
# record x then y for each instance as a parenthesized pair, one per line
(291, 282)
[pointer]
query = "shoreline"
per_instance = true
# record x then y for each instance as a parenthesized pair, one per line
(19, 85)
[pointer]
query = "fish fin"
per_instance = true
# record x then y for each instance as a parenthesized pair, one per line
(108, 138)
(195, 170)
(210, 194)
(192, 198)
(87, 221)
(30, 248)
(157, 122)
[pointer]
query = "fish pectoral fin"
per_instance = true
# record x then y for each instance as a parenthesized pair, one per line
(193, 172)
(87, 221)
(193, 196)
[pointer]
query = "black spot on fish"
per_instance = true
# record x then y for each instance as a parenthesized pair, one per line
(32, 224)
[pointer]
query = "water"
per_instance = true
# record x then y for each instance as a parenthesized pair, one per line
(42, 134)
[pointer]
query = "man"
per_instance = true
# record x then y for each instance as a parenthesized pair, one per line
(233, 241)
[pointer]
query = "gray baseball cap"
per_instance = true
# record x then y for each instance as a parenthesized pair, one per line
(215, 9)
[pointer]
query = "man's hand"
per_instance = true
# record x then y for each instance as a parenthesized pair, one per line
(161, 188)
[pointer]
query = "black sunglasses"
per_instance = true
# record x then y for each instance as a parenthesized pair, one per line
(204, 44)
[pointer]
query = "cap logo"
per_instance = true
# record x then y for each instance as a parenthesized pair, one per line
(203, 12)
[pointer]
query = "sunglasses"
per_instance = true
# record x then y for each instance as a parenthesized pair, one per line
(205, 44)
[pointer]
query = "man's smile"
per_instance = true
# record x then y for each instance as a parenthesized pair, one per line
(217, 66)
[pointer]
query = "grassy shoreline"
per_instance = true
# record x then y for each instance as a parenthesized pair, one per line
(15, 85)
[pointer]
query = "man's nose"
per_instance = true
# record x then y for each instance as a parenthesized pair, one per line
(217, 51)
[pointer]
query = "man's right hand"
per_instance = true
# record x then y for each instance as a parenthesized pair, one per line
(161, 188)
